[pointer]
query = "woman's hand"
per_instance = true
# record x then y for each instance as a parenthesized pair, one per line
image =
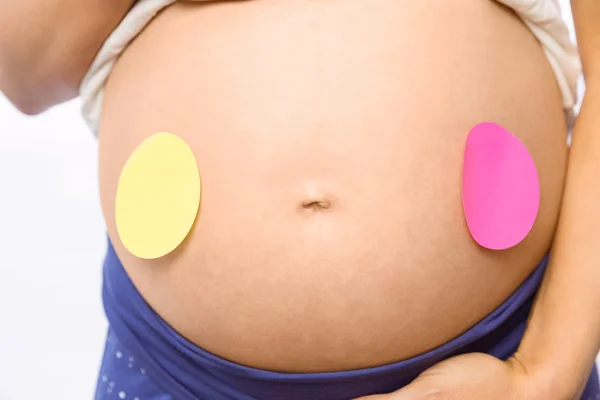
(473, 377)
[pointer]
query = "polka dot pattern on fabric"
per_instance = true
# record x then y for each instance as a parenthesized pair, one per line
(158, 196)
(118, 381)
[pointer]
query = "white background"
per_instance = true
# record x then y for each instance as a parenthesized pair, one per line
(52, 243)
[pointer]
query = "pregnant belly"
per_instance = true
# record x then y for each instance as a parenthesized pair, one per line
(329, 137)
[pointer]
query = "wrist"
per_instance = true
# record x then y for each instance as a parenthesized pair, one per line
(548, 379)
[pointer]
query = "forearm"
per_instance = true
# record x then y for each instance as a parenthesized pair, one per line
(47, 46)
(563, 335)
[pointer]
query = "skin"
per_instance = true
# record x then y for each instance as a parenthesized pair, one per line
(357, 114)
(558, 342)
(563, 335)
(42, 61)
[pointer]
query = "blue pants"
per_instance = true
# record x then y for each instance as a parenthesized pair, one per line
(145, 359)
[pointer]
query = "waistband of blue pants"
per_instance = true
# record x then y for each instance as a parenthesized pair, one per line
(190, 373)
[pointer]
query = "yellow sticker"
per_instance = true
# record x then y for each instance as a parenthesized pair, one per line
(158, 196)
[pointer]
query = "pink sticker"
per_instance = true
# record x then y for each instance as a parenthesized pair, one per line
(501, 187)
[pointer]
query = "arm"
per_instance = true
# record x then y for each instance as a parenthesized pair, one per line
(563, 335)
(46, 47)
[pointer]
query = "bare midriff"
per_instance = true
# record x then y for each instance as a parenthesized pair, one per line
(330, 137)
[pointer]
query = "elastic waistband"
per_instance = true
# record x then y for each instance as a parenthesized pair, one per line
(191, 373)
